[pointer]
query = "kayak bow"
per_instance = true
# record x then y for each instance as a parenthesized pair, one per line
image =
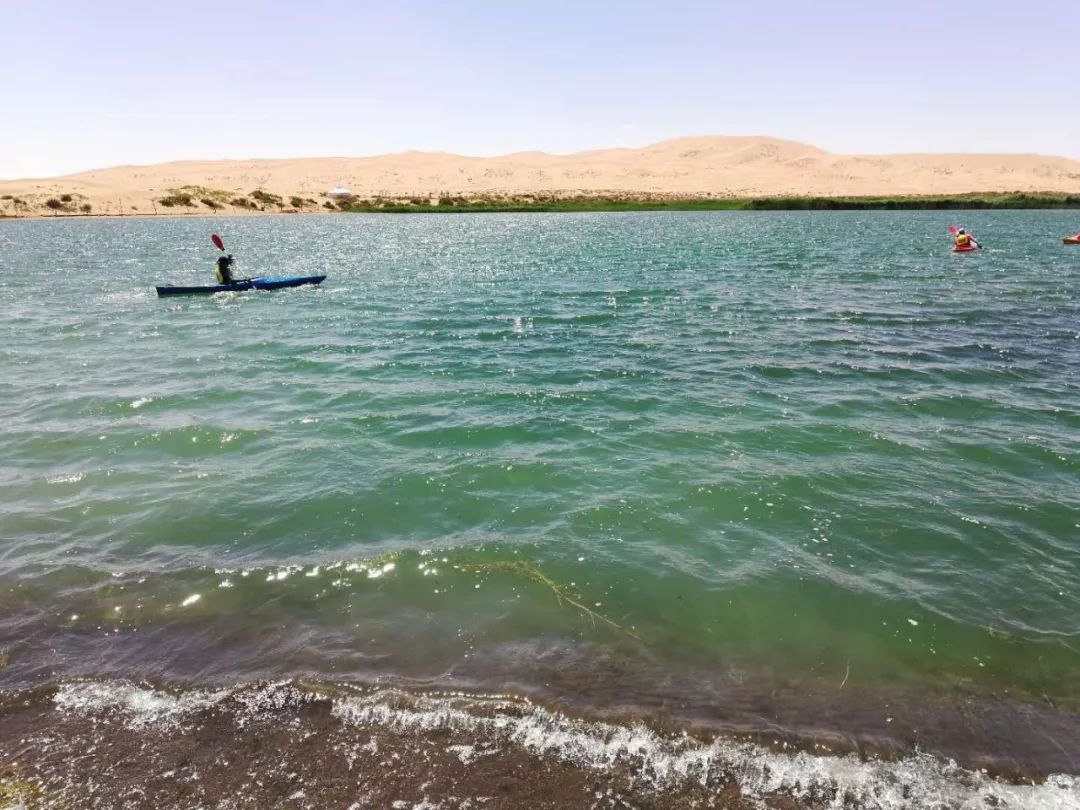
(260, 283)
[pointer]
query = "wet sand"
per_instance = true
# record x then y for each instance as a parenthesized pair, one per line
(293, 745)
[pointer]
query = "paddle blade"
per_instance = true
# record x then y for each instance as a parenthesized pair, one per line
(952, 229)
(217, 241)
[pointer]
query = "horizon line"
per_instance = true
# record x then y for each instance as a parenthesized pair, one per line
(519, 152)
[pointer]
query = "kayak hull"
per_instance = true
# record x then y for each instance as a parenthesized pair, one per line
(1071, 240)
(963, 249)
(260, 283)
(277, 282)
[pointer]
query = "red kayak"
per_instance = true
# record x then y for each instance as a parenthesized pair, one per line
(970, 244)
(1071, 240)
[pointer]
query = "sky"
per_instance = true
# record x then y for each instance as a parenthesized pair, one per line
(95, 84)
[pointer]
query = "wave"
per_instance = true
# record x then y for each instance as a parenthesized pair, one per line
(257, 728)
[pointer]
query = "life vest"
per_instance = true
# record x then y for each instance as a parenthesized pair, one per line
(223, 270)
(963, 240)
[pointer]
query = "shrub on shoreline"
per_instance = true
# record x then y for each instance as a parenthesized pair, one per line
(266, 198)
(177, 198)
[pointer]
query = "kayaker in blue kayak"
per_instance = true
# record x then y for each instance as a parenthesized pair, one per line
(223, 271)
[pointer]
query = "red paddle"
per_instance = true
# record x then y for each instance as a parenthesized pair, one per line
(221, 246)
(952, 229)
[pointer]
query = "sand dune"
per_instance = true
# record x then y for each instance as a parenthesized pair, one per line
(703, 166)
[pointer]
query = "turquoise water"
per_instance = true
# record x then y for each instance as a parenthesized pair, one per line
(806, 471)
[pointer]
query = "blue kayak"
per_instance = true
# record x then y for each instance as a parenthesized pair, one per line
(259, 283)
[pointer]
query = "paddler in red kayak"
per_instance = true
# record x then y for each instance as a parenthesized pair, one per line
(963, 240)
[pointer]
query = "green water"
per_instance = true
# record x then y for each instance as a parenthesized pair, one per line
(572, 453)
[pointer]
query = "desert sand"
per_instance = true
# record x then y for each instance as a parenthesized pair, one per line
(711, 166)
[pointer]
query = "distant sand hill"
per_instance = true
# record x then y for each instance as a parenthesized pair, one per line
(685, 167)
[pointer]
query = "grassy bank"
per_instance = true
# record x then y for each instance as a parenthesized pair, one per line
(602, 203)
(915, 203)
(200, 201)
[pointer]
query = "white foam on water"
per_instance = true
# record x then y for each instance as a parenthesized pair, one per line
(269, 702)
(138, 403)
(840, 782)
(662, 762)
(142, 707)
(71, 478)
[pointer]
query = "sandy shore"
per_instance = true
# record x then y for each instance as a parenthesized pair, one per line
(122, 745)
(735, 167)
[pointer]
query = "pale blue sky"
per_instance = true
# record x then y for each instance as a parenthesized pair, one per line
(90, 84)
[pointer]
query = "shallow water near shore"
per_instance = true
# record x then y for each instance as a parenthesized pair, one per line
(803, 479)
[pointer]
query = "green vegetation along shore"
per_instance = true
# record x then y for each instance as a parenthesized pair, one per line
(793, 203)
(198, 200)
(622, 202)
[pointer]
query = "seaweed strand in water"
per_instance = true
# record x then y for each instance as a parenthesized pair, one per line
(562, 592)
(16, 791)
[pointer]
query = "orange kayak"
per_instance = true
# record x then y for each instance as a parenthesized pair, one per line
(1071, 240)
